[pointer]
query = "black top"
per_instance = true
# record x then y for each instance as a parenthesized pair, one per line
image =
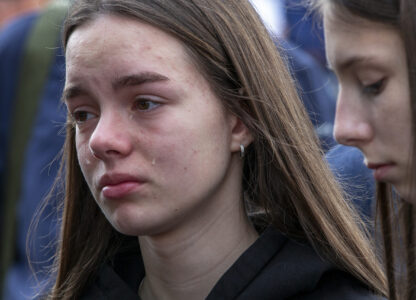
(274, 267)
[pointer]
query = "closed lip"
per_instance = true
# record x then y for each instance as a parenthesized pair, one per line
(110, 179)
(382, 171)
(375, 166)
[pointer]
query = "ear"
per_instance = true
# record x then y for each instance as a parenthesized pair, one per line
(240, 135)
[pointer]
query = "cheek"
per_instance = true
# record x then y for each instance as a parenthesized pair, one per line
(85, 157)
(397, 124)
(193, 149)
(403, 127)
(173, 154)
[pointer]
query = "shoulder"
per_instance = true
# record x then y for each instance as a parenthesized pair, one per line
(108, 285)
(339, 285)
(306, 275)
(119, 277)
(296, 271)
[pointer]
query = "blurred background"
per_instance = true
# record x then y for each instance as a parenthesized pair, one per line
(12, 8)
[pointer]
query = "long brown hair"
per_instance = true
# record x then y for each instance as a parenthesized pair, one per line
(395, 217)
(284, 172)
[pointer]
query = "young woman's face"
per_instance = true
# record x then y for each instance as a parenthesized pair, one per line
(373, 108)
(156, 146)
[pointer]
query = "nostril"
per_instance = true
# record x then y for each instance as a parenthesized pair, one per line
(343, 137)
(111, 152)
(353, 133)
(110, 137)
(343, 134)
(344, 141)
(110, 144)
(94, 153)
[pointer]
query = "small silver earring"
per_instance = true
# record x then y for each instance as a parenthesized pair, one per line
(241, 150)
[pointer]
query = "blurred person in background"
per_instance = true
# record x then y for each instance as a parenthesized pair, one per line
(10, 9)
(31, 119)
(311, 77)
(303, 30)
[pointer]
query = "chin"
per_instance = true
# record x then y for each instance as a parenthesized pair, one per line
(132, 228)
(406, 193)
(410, 197)
(125, 220)
(136, 223)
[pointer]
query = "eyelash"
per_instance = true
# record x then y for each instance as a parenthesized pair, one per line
(81, 114)
(375, 88)
(79, 117)
(140, 101)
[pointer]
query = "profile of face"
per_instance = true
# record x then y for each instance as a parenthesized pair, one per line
(373, 106)
(156, 146)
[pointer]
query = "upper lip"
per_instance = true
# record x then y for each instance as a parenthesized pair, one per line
(116, 178)
(377, 165)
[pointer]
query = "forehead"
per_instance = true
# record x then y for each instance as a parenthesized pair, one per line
(358, 38)
(120, 42)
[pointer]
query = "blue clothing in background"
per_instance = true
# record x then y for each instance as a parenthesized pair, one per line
(347, 163)
(304, 30)
(40, 164)
(12, 39)
(316, 90)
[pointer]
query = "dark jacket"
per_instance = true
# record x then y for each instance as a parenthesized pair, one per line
(274, 267)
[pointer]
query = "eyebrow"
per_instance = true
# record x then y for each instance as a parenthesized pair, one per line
(117, 84)
(138, 79)
(349, 62)
(73, 92)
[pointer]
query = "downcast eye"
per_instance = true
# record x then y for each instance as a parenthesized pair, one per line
(374, 88)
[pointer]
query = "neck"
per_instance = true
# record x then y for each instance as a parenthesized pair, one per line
(188, 263)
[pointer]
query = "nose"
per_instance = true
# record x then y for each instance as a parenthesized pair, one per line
(110, 138)
(352, 124)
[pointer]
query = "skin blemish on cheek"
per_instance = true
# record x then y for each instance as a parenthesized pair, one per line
(154, 161)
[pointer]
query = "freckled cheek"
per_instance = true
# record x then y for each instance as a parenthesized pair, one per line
(183, 155)
(182, 148)
(172, 154)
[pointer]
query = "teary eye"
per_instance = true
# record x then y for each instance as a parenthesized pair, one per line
(81, 116)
